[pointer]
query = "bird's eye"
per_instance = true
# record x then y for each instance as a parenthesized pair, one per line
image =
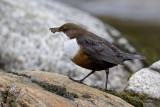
(64, 30)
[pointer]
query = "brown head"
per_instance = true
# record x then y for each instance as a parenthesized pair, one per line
(70, 29)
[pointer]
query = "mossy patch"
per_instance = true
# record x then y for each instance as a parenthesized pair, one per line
(62, 91)
(20, 74)
(134, 100)
(86, 96)
(9, 98)
(130, 97)
(15, 73)
(5, 95)
(59, 90)
(75, 95)
(130, 75)
(24, 75)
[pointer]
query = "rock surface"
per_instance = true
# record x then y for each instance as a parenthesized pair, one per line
(26, 42)
(25, 89)
(146, 81)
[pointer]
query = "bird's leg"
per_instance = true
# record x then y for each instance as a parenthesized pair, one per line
(107, 73)
(83, 78)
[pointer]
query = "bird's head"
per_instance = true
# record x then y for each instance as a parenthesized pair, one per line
(70, 29)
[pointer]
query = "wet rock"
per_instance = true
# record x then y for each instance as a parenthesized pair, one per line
(30, 89)
(146, 81)
(27, 43)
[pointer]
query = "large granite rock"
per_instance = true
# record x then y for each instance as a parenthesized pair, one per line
(146, 81)
(27, 43)
(24, 89)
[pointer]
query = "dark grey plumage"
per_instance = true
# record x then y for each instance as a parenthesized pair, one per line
(101, 49)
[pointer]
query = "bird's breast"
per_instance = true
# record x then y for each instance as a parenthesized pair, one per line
(76, 54)
(71, 48)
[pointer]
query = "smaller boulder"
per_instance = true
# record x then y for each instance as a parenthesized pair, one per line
(146, 81)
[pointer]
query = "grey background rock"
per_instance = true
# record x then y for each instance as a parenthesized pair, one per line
(136, 10)
(27, 44)
(146, 81)
(156, 66)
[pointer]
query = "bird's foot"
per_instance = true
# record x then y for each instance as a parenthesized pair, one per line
(109, 90)
(79, 81)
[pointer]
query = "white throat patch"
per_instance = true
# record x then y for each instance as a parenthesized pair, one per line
(64, 36)
(71, 46)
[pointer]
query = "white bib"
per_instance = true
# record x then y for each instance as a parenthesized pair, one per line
(71, 46)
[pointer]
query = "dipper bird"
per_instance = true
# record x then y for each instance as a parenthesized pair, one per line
(90, 51)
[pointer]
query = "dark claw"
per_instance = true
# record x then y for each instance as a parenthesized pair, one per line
(79, 81)
(109, 90)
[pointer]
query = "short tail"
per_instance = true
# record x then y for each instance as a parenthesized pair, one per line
(128, 56)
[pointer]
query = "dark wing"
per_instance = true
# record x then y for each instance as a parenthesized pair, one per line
(100, 49)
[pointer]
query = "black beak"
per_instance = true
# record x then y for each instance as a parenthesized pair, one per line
(54, 30)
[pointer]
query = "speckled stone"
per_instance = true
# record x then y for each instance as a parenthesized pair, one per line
(146, 81)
